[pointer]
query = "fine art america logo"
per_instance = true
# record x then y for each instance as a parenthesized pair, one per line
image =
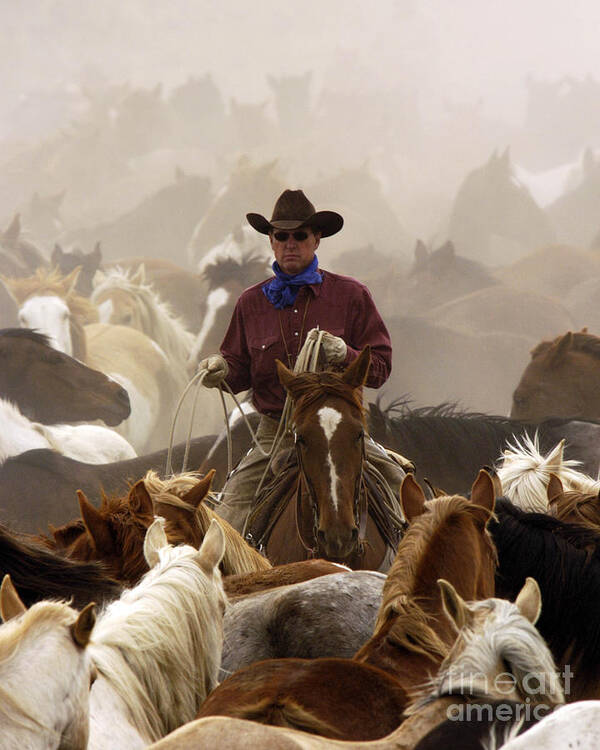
(505, 684)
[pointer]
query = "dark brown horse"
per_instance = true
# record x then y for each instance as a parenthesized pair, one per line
(561, 380)
(326, 510)
(51, 387)
(364, 698)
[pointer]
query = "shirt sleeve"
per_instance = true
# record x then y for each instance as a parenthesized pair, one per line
(235, 351)
(367, 328)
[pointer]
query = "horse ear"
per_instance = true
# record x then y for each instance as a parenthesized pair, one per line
(81, 629)
(529, 600)
(356, 373)
(57, 254)
(286, 377)
(200, 490)
(96, 253)
(139, 498)
(559, 349)
(446, 251)
(420, 254)
(69, 281)
(454, 605)
(483, 494)
(412, 498)
(96, 525)
(212, 548)
(139, 277)
(11, 235)
(10, 602)
(554, 489)
(154, 541)
(496, 481)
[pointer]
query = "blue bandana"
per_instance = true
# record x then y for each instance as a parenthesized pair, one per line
(282, 290)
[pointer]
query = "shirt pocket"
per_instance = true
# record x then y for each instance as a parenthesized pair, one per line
(264, 350)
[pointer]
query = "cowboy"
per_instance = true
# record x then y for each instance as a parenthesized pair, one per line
(271, 321)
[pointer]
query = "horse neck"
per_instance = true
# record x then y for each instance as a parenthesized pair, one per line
(18, 434)
(163, 684)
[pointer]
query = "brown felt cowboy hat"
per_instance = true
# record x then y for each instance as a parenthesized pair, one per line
(293, 210)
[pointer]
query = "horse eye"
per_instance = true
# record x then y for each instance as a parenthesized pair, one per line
(300, 440)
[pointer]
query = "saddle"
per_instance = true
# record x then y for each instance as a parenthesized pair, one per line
(281, 489)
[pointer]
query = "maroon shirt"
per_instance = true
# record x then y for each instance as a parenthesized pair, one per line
(340, 305)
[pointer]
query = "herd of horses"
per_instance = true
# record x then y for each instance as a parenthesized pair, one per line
(470, 618)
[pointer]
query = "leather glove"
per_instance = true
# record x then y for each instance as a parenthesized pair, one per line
(334, 347)
(217, 369)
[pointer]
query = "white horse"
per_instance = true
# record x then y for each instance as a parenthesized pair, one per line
(45, 673)
(92, 444)
(158, 647)
(125, 298)
(525, 473)
(576, 725)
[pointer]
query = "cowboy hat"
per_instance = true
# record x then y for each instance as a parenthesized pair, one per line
(293, 210)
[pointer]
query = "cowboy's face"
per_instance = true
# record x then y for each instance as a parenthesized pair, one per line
(293, 253)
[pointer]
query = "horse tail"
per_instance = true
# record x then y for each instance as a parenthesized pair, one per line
(284, 712)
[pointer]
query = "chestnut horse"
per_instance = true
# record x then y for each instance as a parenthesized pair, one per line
(448, 538)
(325, 508)
(561, 380)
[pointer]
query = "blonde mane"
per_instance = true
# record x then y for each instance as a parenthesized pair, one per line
(239, 556)
(50, 281)
(525, 474)
(157, 318)
(159, 645)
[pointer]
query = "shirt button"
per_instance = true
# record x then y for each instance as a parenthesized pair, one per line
(295, 333)
(263, 346)
(295, 311)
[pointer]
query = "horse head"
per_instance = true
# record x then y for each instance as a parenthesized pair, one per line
(329, 429)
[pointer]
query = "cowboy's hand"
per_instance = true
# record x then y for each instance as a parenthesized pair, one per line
(216, 370)
(334, 347)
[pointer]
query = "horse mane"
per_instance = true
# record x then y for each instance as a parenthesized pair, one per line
(49, 281)
(565, 561)
(25, 333)
(586, 343)
(245, 268)
(410, 627)
(525, 473)
(314, 387)
(39, 573)
(581, 507)
(169, 625)
(506, 635)
(159, 320)
(239, 556)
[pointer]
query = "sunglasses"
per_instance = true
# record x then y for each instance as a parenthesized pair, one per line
(299, 236)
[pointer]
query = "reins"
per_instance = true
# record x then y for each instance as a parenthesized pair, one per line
(306, 361)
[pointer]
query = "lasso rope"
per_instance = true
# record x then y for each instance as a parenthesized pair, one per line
(306, 361)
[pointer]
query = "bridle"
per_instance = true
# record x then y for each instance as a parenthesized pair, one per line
(361, 502)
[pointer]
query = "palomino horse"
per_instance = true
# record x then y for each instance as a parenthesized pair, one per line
(573, 506)
(411, 635)
(560, 380)
(128, 299)
(327, 512)
(158, 647)
(45, 673)
(495, 656)
(51, 387)
(49, 303)
(115, 532)
(93, 444)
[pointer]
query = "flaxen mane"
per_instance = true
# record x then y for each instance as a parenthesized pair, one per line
(50, 282)
(239, 556)
(157, 318)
